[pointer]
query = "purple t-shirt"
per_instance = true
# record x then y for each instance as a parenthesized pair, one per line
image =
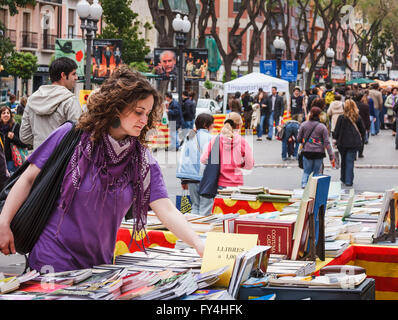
(84, 236)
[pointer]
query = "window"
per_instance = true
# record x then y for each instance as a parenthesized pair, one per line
(3, 16)
(71, 23)
(237, 40)
(236, 5)
(26, 21)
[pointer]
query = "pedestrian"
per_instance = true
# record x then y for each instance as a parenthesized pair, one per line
(10, 131)
(364, 114)
(4, 174)
(176, 120)
(236, 105)
(189, 168)
(188, 113)
(51, 105)
(367, 99)
(335, 109)
(291, 128)
(391, 100)
(384, 94)
(192, 96)
(235, 152)
(348, 133)
(314, 95)
(274, 111)
(110, 172)
(21, 105)
(296, 105)
(261, 101)
(314, 138)
(12, 101)
(247, 102)
(377, 98)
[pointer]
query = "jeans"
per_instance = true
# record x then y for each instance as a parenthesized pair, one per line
(382, 113)
(260, 126)
(310, 165)
(200, 205)
(372, 126)
(271, 119)
(348, 157)
(377, 122)
(11, 167)
(289, 130)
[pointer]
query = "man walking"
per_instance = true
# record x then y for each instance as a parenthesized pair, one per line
(296, 105)
(275, 110)
(51, 105)
(176, 120)
(377, 98)
(188, 111)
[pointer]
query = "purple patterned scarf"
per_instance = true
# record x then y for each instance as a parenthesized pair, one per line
(119, 164)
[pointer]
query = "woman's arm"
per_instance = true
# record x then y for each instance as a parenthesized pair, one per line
(176, 223)
(15, 199)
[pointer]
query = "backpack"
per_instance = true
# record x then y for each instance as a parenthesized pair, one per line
(329, 97)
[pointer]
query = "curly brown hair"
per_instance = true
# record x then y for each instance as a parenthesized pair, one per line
(122, 89)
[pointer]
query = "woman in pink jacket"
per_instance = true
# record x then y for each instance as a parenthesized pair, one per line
(235, 152)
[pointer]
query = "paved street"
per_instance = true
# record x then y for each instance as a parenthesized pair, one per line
(377, 171)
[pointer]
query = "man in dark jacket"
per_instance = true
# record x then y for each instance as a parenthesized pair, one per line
(188, 111)
(274, 111)
(174, 114)
(312, 97)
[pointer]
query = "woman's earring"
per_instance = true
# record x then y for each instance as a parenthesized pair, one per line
(115, 123)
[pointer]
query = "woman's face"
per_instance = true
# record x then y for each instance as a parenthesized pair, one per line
(133, 121)
(5, 116)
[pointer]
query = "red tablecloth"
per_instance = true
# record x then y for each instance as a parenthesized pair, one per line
(225, 206)
(380, 263)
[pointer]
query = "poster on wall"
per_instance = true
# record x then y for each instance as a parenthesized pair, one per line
(73, 49)
(196, 64)
(107, 55)
(338, 74)
(165, 63)
(268, 67)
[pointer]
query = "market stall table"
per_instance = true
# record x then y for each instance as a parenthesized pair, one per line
(225, 205)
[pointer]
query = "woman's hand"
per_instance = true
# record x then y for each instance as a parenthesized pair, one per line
(6, 239)
(10, 135)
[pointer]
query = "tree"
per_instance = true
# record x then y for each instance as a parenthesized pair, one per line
(6, 47)
(22, 65)
(14, 4)
(121, 23)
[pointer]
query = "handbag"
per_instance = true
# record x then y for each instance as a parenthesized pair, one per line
(183, 202)
(208, 186)
(18, 154)
(31, 218)
(300, 153)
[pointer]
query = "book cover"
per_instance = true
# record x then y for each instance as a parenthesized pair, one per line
(277, 234)
(221, 249)
(319, 191)
(301, 229)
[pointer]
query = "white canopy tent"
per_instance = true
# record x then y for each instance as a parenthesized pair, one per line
(252, 82)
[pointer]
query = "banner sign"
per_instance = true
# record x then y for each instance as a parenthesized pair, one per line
(268, 67)
(73, 49)
(107, 55)
(289, 70)
(165, 61)
(338, 74)
(196, 63)
(356, 75)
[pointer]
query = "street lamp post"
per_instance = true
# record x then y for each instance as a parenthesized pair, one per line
(364, 62)
(181, 27)
(89, 16)
(388, 66)
(238, 64)
(329, 59)
(280, 46)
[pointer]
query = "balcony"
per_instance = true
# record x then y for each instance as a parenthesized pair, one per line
(12, 35)
(48, 41)
(29, 39)
(51, 1)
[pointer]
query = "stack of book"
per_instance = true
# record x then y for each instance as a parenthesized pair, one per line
(160, 258)
(12, 283)
(253, 190)
(334, 249)
(244, 196)
(299, 268)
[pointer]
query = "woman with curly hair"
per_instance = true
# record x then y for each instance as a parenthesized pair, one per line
(110, 173)
(349, 133)
(10, 130)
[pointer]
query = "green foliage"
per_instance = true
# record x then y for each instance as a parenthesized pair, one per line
(379, 46)
(6, 47)
(14, 4)
(208, 84)
(234, 75)
(22, 65)
(121, 23)
(141, 66)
